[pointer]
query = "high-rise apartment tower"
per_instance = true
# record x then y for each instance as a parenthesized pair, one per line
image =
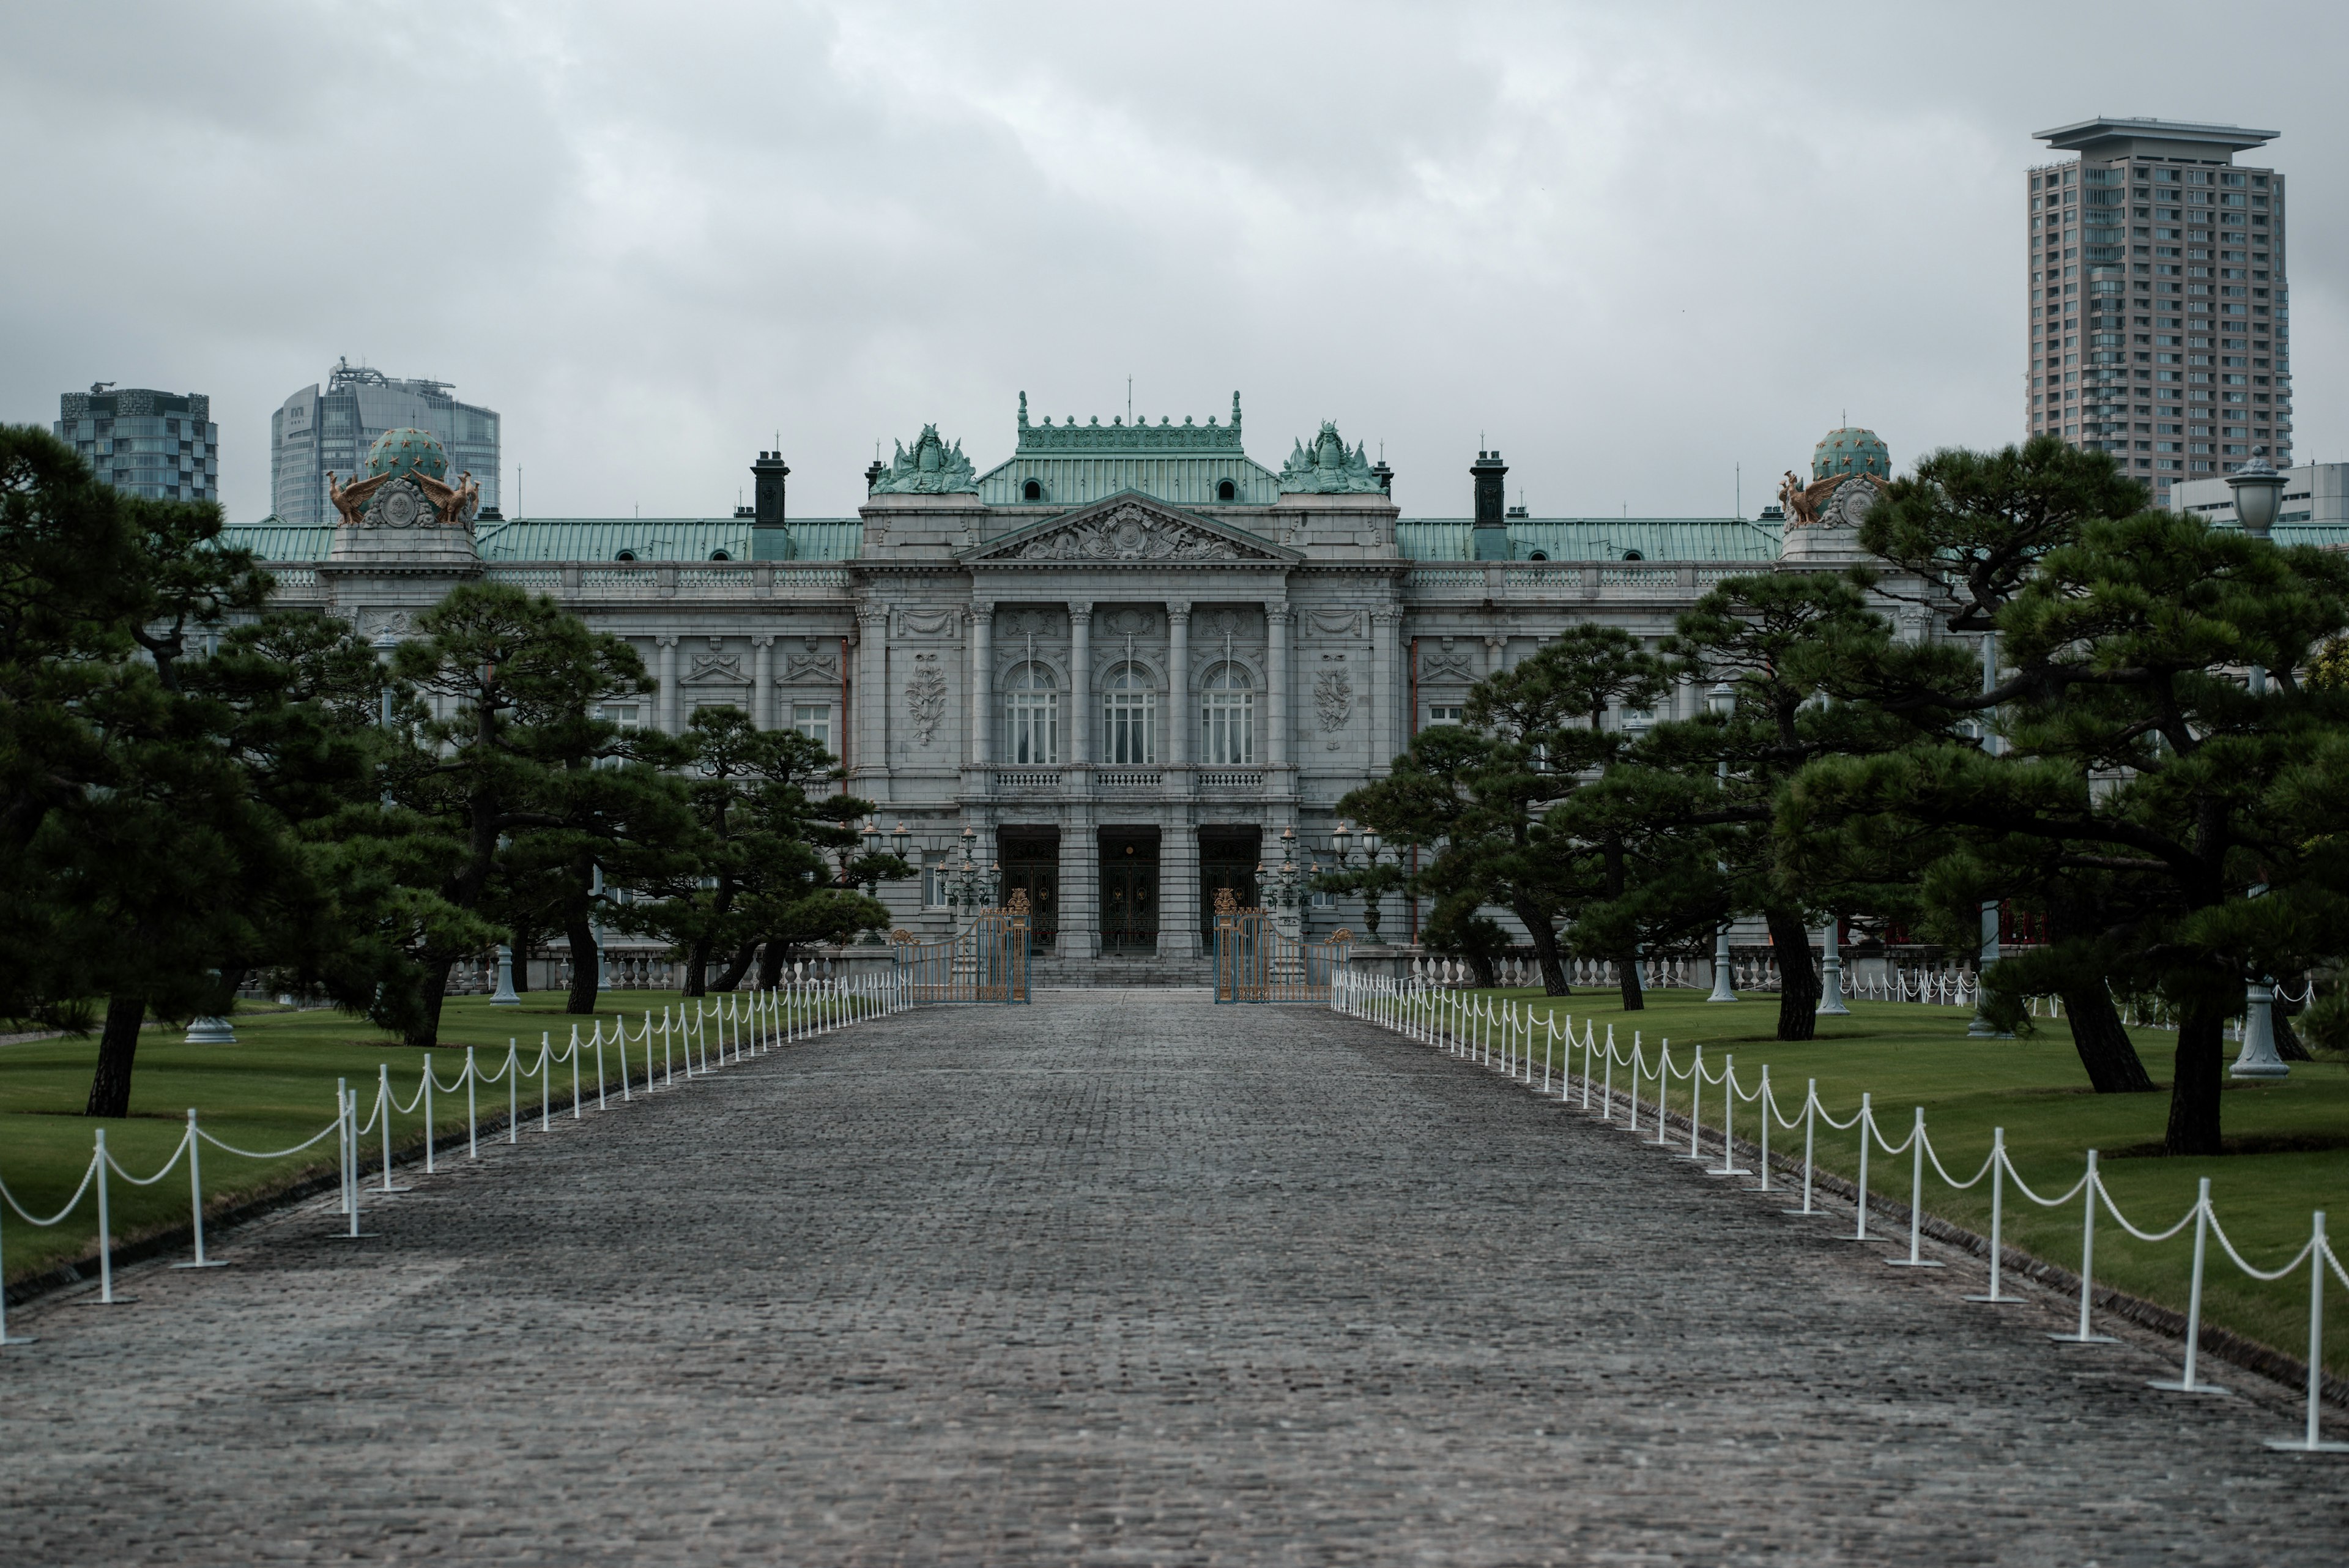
(2160, 322)
(162, 445)
(314, 434)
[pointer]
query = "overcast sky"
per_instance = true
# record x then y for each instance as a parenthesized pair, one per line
(1633, 246)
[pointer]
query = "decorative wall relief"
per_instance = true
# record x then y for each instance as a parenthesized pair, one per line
(1333, 699)
(716, 667)
(925, 698)
(1130, 620)
(820, 662)
(1131, 533)
(1031, 623)
(1336, 622)
(925, 623)
(1444, 663)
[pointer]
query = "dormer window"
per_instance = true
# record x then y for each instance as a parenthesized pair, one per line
(1633, 555)
(1226, 491)
(719, 555)
(1031, 490)
(626, 556)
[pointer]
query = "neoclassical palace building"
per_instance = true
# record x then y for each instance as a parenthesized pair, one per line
(1127, 658)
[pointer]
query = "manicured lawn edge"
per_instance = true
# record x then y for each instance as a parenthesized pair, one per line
(2235, 1349)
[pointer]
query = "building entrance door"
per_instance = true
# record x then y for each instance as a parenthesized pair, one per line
(1129, 889)
(1228, 859)
(1030, 858)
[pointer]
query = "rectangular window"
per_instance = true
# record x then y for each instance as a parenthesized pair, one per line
(1226, 724)
(935, 885)
(1034, 716)
(624, 716)
(813, 720)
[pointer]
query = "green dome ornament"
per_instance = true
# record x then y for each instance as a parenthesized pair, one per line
(407, 451)
(1850, 450)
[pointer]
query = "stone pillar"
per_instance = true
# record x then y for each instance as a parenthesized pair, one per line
(1080, 885)
(1178, 886)
(1384, 621)
(1275, 682)
(762, 683)
(1496, 654)
(869, 694)
(665, 714)
(1077, 731)
(1178, 707)
(982, 683)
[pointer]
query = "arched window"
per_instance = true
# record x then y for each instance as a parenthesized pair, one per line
(1031, 490)
(1227, 718)
(1227, 490)
(626, 556)
(719, 555)
(1129, 717)
(1033, 709)
(1633, 555)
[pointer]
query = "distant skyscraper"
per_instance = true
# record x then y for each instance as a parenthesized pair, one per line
(2159, 318)
(158, 444)
(313, 434)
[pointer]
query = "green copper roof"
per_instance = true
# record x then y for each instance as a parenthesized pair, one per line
(271, 540)
(1851, 451)
(1072, 465)
(1596, 539)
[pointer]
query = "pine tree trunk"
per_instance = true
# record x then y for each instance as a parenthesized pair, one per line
(1481, 966)
(2289, 1044)
(697, 967)
(2103, 1041)
(770, 964)
(118, 1045)
(1627, 970)
(1798, 983)
(735, 971)
(587, 972)
(2194, 1085)
(1545, 941)
(425, 1033)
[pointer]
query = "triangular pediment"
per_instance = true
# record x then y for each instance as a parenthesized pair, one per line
(1130, 529)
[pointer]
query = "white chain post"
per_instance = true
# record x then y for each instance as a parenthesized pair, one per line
(105, 1226)
(2187, 1384)
(1997, 1221)
(1914, 1260)
(2313, 1440)
(472, 1108)
(513, 1092)
(1810, 1144)
(383, 1096)
(2082, 1335)
(430, 1130)
(195, 1207)
(1866, 1137)
(1696, 1105)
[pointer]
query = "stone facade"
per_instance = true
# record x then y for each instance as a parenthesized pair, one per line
(1129, 659)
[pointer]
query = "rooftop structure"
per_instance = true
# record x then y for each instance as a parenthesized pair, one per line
(161, 445)
(314, 434)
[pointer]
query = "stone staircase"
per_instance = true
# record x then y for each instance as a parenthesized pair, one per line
(1121, 972)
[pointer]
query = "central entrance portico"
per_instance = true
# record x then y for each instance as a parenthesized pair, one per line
(1129, 889)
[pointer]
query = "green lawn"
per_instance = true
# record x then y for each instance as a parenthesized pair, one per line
(1908, 1056)
(272, 1089)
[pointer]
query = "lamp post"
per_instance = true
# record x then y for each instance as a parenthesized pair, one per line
(1724, 701)
(1283, 893)
(1831, 974)
(1340, 847)
(2258, 491)
(505, 996)
(1982, 1028)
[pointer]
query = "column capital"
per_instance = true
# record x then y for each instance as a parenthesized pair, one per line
(868, 612)
(1386, 615)
(762, 639)
(1278, 612)
(1080, 614)
(1178, 612)
(664, 639)
(981, 611)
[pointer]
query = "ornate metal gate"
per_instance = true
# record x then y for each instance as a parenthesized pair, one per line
(986, 963)
(1254, 963)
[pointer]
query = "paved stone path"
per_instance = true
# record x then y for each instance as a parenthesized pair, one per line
(1112, 1279)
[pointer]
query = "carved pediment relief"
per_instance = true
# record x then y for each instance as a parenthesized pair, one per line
(714, 669)
(1130, 530)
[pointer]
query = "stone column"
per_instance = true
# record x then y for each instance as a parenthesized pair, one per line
(869, 694)
(1178, 886)
(1076, 724)
(665, 714)
(1276, 683)
(1178, 701)
(1384, 621)
(1080, 884)
(1496, 654)
(982, 682)
(762, 683)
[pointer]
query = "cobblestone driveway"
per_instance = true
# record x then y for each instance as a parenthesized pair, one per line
(1112, 1279)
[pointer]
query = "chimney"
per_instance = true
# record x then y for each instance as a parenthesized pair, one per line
(770, 540)
(1492, 534)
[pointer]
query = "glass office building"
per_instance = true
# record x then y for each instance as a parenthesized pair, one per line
(316, 432)
(162, 445)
